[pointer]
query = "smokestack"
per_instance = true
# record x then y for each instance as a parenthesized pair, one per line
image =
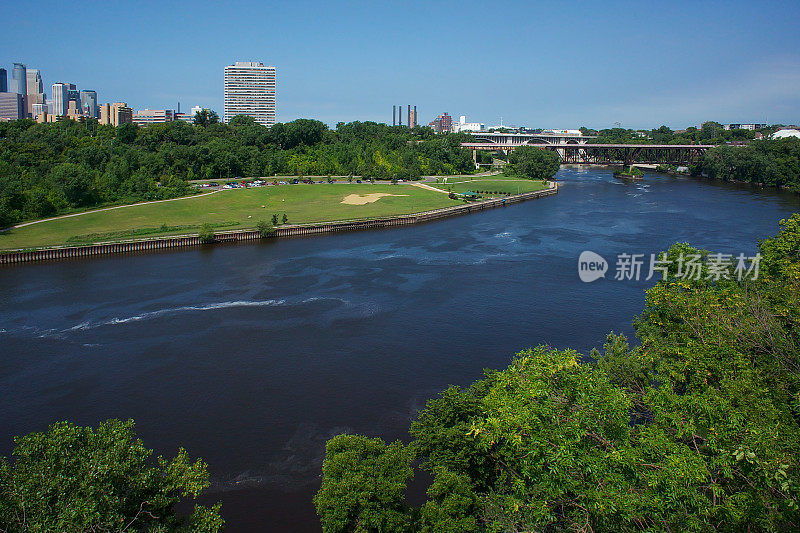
(409, 116)
(394, 119)
(179, 108)
(415, 115)
(400, 116)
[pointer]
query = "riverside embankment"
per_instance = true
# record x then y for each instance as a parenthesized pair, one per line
(190, 240)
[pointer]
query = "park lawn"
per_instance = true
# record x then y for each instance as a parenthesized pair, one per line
(232, 209)
(500, 183)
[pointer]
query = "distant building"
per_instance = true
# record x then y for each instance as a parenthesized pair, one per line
(3, 81)
(12, 106)
(116, 114)
(38, 109)
(19, 83)
(34, 89)
(412, 117)
(750, 127)
(463, 125)
(783, 134)
(189, 117)
(144, 117)
(442, 123)
(75, 112)
(250, 91)
(89, 103)
(59, 101)
(73, 95)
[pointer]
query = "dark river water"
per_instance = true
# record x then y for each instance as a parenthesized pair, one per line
(251, 356)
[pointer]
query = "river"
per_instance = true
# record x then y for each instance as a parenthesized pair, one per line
(251, 356)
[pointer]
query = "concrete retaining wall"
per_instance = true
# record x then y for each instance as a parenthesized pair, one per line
(68, 252)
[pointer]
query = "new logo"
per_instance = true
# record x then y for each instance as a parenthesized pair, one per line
(591, 266)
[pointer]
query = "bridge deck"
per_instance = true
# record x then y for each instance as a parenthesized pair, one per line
(497, 146)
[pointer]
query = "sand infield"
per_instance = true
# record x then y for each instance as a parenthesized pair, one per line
(361, 199)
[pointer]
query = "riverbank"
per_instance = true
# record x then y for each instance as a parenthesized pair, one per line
(287, 230)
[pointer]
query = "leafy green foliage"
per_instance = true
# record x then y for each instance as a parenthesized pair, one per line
(265, 228)
(696, 429)
(362, 486)
(206, 233)
(46, 169)
(774, 163)
(73, 478)
(532, 163)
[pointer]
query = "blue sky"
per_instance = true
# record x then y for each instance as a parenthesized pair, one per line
(538, 64)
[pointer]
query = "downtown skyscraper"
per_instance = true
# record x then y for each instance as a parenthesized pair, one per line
(250, 91)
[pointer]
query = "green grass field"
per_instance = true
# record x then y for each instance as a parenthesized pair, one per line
(500, 183)
(226, 210)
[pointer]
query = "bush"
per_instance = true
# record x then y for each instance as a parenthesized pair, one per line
(206, 233)
(265, 228)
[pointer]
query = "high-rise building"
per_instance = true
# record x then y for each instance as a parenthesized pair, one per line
(19, 82)
(59, 102)
(3, 81)
(12, 106)
(89, 104)
(441, 124)
(34, 90)
(73, 95)
(116, 114)
(250, 91)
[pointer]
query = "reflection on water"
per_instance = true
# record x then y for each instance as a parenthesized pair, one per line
(252, 356)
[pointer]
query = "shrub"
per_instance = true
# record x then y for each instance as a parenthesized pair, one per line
(265, 228)
(206, 233)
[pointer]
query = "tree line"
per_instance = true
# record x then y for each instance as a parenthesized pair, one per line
(47, 169)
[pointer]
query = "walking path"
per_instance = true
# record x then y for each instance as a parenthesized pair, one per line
(109, 209)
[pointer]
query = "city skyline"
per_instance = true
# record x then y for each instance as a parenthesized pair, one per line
(562, 66)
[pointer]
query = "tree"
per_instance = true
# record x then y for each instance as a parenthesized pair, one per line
(363, 481)
(533, 163)
(205, 118)
(285, 219)
(206, 233)
(265, 228)
(73, 478)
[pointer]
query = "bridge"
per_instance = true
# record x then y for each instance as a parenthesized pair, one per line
(574, 151)
(545, 137)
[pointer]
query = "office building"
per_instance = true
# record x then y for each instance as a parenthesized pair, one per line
(189, 117)
(750, 127)
(89, 104)
(3, 81)
(34, 89)
(12, 106)
(38, 109)
(463, 125)
(19, 82)
(144, 117)
(250, 91)
(441, 124)
(73, 95)
(116, 114)
(59, 102)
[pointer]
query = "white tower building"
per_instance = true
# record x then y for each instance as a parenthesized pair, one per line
(250, 91)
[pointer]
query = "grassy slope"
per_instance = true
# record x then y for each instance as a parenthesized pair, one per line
(500, 182)
(228, 209)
